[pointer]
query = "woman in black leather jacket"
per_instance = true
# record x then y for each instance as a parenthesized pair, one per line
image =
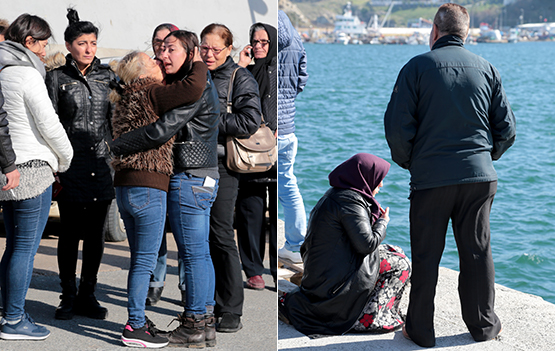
(350, 281)
(79, 92)
(215, 49)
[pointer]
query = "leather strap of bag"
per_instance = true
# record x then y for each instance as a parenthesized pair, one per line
(230, 90)
(229, 103)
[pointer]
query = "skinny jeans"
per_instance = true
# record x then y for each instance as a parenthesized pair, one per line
(25, 221)
(143, 211)
(189, 207)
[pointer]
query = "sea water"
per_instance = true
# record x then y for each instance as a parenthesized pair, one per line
(340, 113)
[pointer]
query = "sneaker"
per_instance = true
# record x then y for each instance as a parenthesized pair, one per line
(142, 337)
(229, 323)
(290, 256)
(256, 283)
(26, 329)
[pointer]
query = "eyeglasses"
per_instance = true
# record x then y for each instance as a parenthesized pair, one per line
(262, 42)
(205, 49)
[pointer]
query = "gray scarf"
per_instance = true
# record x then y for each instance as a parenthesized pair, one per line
(15, 54)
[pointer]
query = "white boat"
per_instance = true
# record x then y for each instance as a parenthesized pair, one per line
(342, 38)
(348, 26)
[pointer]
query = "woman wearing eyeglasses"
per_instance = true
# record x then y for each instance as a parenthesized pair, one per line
(215, 49)
(251, 201)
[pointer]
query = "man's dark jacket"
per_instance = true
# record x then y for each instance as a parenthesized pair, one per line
(448, 117)
(341, 264)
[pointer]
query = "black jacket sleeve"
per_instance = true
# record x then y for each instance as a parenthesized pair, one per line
(502, 121)
(401, 124)
(155, 134)
(7, 155)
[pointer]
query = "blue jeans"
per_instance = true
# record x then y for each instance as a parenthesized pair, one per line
(158, 277)
(189, 204)
(24, 221)
(289, 195)
(143, 211)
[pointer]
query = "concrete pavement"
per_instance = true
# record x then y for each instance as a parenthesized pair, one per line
(259, 312)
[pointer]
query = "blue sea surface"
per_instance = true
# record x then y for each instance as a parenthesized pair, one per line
(340, 113)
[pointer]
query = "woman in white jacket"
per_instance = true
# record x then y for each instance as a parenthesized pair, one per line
(42, 148)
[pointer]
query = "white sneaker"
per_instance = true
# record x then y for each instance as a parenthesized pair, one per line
(291, 256)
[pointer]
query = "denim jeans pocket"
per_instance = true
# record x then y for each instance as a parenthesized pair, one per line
(204, 196)
(139, 197)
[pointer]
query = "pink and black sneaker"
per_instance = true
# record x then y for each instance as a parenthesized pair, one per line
(143, 337)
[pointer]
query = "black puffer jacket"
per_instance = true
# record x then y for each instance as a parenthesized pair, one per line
(341, 264)
(82, 104)
(196, 126)
(246, 112)
(7, 155)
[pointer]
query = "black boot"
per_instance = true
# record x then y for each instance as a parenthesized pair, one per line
(153, 296)
(190, 332)
(210, 329)
(86, 304)
(69, 292)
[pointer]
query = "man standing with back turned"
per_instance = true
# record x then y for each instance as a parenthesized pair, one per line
(447, 120)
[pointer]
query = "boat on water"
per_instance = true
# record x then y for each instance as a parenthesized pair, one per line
(348, 28)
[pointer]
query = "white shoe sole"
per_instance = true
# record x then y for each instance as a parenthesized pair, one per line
(142, 344)
(8, 336)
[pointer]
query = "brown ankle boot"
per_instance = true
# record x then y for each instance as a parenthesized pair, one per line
(210, 329)
(190, 333)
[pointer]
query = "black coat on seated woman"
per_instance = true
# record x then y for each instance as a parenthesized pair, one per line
(342, 254)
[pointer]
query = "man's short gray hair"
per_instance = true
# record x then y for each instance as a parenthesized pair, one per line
(452, 19)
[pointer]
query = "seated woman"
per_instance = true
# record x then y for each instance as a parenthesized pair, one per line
(351, 281)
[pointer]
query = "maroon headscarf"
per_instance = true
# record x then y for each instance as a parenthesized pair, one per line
(362, 173)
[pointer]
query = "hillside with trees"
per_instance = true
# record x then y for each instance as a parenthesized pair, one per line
(498, 13)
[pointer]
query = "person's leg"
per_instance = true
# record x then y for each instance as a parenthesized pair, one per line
(430, 210)
(250, 224)
(382, 312)
(25, 222)
(158, 277)
(272, 210)
(189, 211)
(159, 274)
(143, 211)
(223, 248)
(90, 217)
(471, 228)
(294, 214)
(68, 250)
(92, 221)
